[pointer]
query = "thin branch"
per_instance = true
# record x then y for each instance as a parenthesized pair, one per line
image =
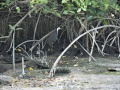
(93, 43)
(26, 42)
(4, 37)
(36, 25)
(53, 69)
(87, 52)
(21, 20)
(13, 45)
(107, 39)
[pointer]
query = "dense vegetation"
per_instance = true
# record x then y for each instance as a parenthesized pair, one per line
(74, 16)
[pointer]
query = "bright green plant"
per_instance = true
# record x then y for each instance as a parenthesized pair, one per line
(91, 8)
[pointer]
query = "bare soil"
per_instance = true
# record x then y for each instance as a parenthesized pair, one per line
(84, 75)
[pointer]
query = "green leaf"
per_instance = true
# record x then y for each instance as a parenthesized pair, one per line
(77, 2)
(79, 10)
(45, 12)
(47, 8)
(65, 12)
(18, 9)
(37, 1)
(44, 1)
(94, 4)
(106, 4)
(105, 1)
(56, 13)
(90, 17)
(89, 3)
(105, 22)
(92, 10)
(7, 1)
(36, 11)
(64, 1)
(72, 12)
(84, 8)
(11, 27)
(32, 3)
(101, 12)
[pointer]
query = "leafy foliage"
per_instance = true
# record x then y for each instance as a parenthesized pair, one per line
(5, 3)
(60, 8)
(75, 8)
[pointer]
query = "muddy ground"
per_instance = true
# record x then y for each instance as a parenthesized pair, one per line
(83, 75)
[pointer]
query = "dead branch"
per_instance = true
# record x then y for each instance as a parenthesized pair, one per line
(87, 52)
(36, 25)
(93, 43)
(53, 69)
(107, 40)
(21, 20)
(25, 42)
